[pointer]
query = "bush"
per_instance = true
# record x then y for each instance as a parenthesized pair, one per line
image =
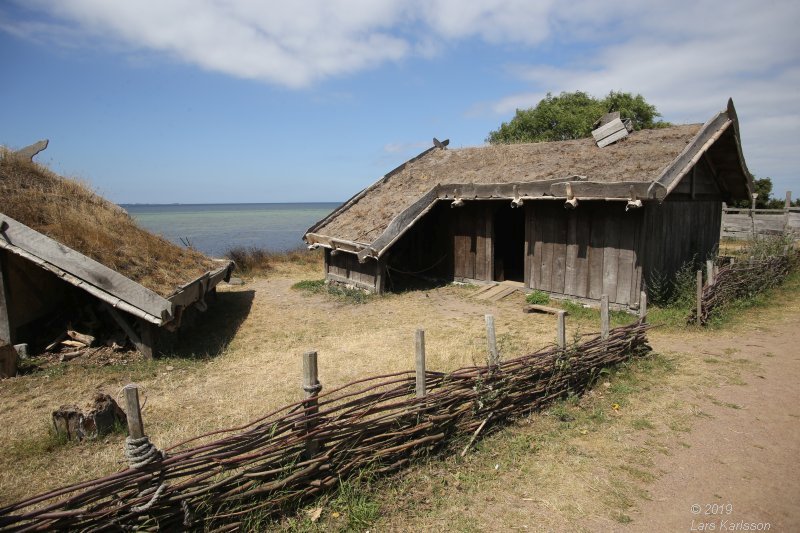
(538, 298)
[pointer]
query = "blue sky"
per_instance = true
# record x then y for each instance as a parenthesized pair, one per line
(200, 101)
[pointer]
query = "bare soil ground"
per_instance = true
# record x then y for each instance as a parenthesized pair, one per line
(714, 417)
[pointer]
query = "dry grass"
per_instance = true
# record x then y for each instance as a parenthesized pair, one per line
(252, 260)
(70, 212)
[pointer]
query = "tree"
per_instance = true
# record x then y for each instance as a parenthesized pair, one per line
(572, 115)
(764, 200)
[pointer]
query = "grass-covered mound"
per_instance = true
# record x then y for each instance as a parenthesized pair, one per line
(71, 213)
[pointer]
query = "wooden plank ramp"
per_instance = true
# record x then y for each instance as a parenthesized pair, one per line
(498, 291)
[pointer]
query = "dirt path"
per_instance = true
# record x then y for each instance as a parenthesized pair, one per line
(742, 464)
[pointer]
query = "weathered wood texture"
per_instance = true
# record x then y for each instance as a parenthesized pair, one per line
(739, 224)
(678, 232)
(5, 316)
(471, 237)
(585, 252)
(85, 268)
(344, 268)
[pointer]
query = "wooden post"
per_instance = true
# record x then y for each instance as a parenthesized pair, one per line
(6, 328)
(787, 204)
(709, 272)
(604, 319)
(420, 363)
(134, 412)
(643, 305)
(311, 388)
(699, 296)
(494, 357)
(148, 339)
(561, 335)
(753, 213)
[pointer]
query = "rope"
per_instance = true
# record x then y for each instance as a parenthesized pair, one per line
(418, 271)
(140, 453)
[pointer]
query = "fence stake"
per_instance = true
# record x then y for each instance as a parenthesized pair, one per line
(134, 411)
(421, 363)
(562, 330)
(604, 321)
(311, 387)
(494, 357)
(710, 271)
(642, 305)
(699, 296)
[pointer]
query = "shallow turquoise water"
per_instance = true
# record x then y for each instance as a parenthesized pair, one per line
(215, 228)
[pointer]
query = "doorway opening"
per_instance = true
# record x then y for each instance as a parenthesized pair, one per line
(509, 244)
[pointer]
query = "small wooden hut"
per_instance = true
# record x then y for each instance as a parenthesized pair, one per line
(569, 218)
(67, 252)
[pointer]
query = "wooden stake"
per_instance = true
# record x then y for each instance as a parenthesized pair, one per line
(561, 335)
(643, 305)
(311, 388)
(420, 363)
(134, 412)
(494, 357)
(604, 319)
(699, 297)
(710, 272)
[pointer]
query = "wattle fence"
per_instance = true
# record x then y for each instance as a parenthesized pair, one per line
(293, 454)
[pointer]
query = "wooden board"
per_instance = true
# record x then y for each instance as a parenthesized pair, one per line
(5, 317)
(611, 255)
(596, 253)
(84, 268)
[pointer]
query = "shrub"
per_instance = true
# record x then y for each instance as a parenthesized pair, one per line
(538, 298)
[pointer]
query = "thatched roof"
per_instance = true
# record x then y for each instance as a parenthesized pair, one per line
(646, 165)
(640, 157)
(72, 214)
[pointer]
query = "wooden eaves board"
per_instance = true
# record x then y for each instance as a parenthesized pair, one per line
(84, 272)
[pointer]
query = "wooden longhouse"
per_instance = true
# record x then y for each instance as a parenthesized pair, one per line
(569, 218)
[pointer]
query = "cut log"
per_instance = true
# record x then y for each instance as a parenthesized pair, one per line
(103, 417)
(88, 340)
(8, 361)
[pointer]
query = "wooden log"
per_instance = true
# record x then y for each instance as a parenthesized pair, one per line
(8, 361)
(699, 297)
(709, 272)
(494, 356)
(535, 308)
(311, 388)
(134, 411)
(561, 332)
(420, 363)
(604, 317)
(643, 305)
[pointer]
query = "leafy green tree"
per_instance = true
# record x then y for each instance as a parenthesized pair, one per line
(764, 199)
(572, 116)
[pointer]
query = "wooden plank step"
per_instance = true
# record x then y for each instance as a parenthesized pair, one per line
(483, 289)
(491, 292)
(502, 294)
(533, 308)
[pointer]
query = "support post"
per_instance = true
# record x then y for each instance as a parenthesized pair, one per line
(561, 335)
(643, 306)
(787, 204)
(604, 318)
(133, 411)
(753, 213)
(699, 297)
(6, 328)
(494, 357)
(311, 388)
(709, 272)
(420, 366)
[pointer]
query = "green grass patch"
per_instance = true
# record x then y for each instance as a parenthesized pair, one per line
(342, 294)
(538, 298)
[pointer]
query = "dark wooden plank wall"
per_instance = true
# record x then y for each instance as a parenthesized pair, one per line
(344, 267)
(585, 252)
(471, 227)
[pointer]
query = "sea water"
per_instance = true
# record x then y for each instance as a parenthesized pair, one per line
(216, 228)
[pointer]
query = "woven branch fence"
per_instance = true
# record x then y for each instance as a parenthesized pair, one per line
(306, 448)
(741, 280)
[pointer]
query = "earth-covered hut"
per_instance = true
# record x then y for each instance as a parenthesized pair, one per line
(569, 218)
(69, 256)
